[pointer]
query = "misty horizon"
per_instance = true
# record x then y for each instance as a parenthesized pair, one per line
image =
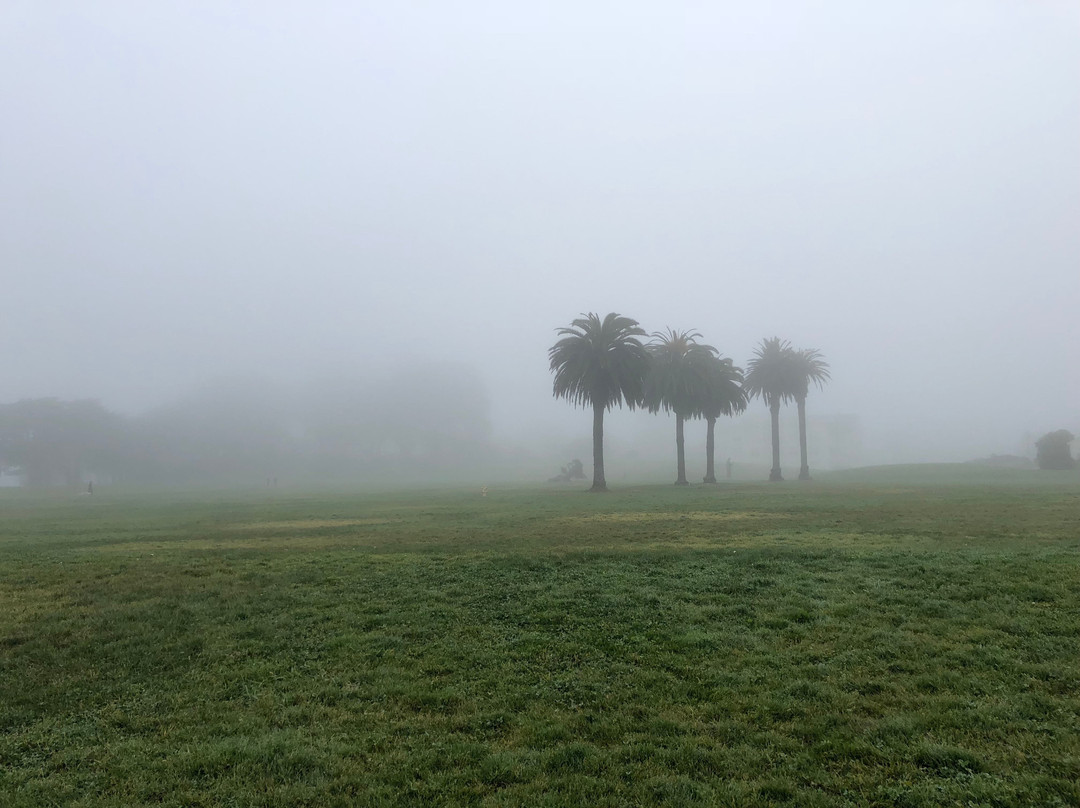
(294, 197)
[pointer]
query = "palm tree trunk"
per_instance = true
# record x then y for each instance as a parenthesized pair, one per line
(680, 450)
(598, 481)
(804, 469)
(710, 447)
(774, 411)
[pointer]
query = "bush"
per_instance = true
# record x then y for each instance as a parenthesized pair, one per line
(1052, 450)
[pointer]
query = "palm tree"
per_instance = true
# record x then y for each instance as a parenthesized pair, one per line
(599, 363)
(678, 382)
(724, 396)
(808, 366)
(771, 377)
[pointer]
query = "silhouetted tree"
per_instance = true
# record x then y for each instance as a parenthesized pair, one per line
(808, 366)
(1052, 451)
(679, 381)
(771, 377)
(599, 363)
(53, 442)
(724, 396)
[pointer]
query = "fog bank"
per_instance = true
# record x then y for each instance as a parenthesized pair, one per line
(200, 191)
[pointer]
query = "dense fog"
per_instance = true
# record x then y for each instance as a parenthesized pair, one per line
(337, 240)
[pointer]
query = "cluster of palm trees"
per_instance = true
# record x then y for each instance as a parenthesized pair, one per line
(601, 363)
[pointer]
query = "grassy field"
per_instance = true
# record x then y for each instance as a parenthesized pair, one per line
(900, 637)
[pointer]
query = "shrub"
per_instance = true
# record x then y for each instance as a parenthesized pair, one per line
(1052, 450)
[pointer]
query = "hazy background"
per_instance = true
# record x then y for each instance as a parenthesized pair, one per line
(298, 193)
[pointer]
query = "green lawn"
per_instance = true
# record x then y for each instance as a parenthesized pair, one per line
(900, 637)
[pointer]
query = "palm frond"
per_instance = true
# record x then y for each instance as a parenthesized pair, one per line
(599, 361)
(679, 378)
(771, 373)
(725, 395)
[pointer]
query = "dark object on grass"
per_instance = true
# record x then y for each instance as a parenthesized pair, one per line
(1052, 451)
(574, 470)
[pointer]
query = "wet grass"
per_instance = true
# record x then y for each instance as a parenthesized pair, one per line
(853, 641)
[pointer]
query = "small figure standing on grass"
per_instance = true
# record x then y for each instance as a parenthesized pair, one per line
(483, 491)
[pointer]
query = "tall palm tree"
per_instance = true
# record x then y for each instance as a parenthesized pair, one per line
(724, 396)
(808, 365)
(678, 381)
(599, 363)
(770, 376)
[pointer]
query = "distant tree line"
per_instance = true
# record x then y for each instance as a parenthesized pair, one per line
(605, 362)
(409, 421)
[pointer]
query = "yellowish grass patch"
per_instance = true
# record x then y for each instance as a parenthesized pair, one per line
(310, 524)
(669, 516)
(277, 542)
(28, 604)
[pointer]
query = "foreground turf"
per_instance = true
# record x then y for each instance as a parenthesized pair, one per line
(864, 641)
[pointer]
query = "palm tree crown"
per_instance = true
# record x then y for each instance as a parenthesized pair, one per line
(725, 394)
(599, 362)
(679, 373)
(770, 372)
(808, 366)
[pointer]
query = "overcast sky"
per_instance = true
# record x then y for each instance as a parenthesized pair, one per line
(296, 190)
